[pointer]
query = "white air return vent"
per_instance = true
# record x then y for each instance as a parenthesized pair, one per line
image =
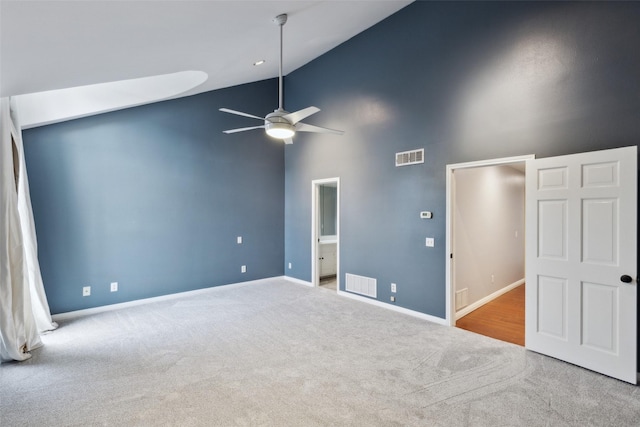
(412, 157)
(462, 298)
(361, 285)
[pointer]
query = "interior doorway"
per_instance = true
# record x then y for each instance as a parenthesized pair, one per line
(325, 258)
(485, 243)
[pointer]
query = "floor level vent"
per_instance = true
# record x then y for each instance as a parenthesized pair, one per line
(462, 298)
(412, 157)
(361, 285)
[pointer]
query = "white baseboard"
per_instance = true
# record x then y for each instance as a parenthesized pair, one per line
(423, 316)
(111, 307)
(298, 281)
(476, 305)
(377, 303)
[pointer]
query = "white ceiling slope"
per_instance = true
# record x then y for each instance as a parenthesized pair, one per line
(50, 45)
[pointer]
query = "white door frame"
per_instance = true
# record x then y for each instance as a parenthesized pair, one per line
(450, 312)
(315, 219)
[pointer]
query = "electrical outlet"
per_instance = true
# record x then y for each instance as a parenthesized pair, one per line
(393, 288)
(289, 266)
(86, 291)
(393, 299)
(114, 286)
(243, 269)
(430, 242)
(493, 278)
(239, 240)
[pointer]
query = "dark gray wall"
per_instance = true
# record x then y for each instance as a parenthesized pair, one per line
(466, 81)
(154, 197)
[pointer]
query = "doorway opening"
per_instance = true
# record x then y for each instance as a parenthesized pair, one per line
(325, 233)
(485, 243)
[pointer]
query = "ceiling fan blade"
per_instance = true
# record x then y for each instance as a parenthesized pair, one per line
(288, 141)
(296, 116)
(303, 127)
(243, 129)
(240, 113)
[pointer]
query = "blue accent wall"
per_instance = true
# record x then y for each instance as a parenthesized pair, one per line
(465, 81)
(154, 197)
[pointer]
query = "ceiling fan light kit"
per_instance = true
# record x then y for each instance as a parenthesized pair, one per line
(281, 124)
(279, 129)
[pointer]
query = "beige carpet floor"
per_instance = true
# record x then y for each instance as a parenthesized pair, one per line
(276, 353)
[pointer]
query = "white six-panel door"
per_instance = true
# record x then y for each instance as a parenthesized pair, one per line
(581, 243)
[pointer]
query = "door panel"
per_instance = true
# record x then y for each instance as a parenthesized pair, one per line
(581, 238)
(599, 323)
(552, 307)
(599, 224)
(552, 233)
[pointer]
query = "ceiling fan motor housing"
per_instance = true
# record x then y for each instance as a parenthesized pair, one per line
(277, 126)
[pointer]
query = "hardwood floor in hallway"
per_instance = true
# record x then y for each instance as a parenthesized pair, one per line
(502, 318)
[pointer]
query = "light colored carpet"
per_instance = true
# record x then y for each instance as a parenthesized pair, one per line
(281, 354)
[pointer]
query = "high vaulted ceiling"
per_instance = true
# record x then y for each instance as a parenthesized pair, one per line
(47, 45)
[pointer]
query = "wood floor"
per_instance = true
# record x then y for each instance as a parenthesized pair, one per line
(502, 318)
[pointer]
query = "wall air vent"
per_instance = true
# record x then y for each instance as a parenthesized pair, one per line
(361, 285)
(412, 157)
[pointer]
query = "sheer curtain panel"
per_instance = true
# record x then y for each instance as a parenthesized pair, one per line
(24, 311)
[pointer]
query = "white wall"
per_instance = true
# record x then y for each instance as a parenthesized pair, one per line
(488, 231)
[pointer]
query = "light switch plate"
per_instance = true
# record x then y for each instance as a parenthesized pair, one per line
(429, 242)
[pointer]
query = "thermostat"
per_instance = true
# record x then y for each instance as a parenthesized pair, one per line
(426, 215)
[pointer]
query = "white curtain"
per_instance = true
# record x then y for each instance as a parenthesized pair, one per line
(24, 311)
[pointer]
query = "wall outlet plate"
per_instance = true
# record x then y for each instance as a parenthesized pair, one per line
(430, 242)
(239, 240)
(86, 291)
(114, 286)
(393, 288)
(243, 269)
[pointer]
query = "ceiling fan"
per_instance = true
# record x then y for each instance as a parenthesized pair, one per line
(282, 124)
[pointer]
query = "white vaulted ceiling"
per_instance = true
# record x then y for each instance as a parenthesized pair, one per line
(53, 45)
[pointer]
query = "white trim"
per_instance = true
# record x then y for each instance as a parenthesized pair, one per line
(471, 307)
(112, 307)
(491, 162)
(449, 299)
(144, 301)
(315, 185)
(423, 316)
(298, 281)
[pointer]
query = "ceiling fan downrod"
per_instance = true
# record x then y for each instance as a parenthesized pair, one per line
(280, 20)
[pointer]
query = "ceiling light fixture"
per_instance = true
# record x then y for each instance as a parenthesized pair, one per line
(279, 129)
